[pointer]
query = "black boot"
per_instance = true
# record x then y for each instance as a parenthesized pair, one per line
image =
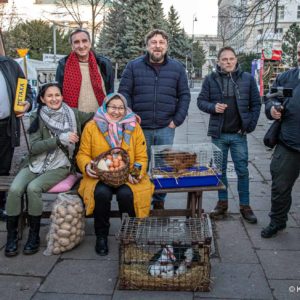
(11, 248)
(101, 245)
(33, 243)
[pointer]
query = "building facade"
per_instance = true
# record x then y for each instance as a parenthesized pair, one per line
(211, 45)
(259, 30)
(49, 11)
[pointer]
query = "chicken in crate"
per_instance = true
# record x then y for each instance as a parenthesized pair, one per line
(164, 254)
(175, 166)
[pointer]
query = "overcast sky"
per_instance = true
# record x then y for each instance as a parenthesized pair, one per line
(206, 12)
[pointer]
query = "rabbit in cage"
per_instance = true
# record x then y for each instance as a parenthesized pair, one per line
(170, 261)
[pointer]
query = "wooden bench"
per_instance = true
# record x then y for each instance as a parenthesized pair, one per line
(193, 205)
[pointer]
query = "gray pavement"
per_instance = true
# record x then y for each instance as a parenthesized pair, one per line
(245, 267)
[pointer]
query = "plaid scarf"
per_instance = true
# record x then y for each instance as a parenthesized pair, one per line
(115, 132)
(59, 121)
(73, 78)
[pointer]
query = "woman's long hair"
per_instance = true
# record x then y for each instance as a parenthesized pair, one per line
(34, 126)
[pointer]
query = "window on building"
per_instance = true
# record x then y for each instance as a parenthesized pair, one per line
(212, 50)
(279, 30)
(259, 31)
(280, 12)
(298, 12)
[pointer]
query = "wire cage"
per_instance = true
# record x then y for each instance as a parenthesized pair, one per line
(164, 254)
(186, 165)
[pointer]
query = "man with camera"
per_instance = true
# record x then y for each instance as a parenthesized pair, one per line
(285, 164)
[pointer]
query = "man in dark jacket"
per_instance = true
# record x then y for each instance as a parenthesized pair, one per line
(156, 88)
(86, 77)
(232, 99)
(285, 164)
(10, 71)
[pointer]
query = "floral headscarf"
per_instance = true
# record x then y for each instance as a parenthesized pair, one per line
(114, 132)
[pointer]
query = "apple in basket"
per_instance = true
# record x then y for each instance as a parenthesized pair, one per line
(111, 162)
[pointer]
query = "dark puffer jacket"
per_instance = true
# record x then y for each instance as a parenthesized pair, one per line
(105, 69)
(290, 121)
(247, 97)
(157, 97)
(11, 72)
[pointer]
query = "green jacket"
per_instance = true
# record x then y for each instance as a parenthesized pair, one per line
(41, 141)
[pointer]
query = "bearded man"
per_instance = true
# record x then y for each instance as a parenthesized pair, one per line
(156, 88)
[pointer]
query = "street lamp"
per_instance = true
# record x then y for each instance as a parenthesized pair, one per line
(192, 55)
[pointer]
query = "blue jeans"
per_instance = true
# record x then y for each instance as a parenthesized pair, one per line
(237, 143)
(161, 136)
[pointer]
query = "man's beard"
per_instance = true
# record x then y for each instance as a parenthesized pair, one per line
(156, 58)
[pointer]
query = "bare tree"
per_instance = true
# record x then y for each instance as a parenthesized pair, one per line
(8, 16)
(235, 16)
(74, 9)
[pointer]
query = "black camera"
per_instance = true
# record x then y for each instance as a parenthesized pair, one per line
(280, 92)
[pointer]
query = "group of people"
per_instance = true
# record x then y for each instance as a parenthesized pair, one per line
(80, 116)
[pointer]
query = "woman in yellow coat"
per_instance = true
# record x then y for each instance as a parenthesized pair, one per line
(114, 125)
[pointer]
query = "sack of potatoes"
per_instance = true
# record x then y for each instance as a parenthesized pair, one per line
(67, 224)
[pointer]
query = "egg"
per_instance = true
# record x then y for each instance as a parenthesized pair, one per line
(111, 168)
(120, 157)
(108, 162)
(116, 163)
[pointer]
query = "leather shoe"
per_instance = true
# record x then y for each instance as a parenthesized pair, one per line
(271, 230)
(220, 209)
(158, 205)
(101, 245)
(248, 214)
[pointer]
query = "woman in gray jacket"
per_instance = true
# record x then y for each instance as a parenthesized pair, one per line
(53, 134)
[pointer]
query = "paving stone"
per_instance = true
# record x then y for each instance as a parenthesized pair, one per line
(56, 296)
(3, 236)
(2, 226)
(280, 264)
(18, 287)
(148, 295)
(237, 281)
(96, 277)
(233, 243)
(285, 289)
(287, 239)
(27, 264)
(86, 250)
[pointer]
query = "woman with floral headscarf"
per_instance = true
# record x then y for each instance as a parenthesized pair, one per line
(114, 125)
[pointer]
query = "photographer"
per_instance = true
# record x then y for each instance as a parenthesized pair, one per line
(285, 164)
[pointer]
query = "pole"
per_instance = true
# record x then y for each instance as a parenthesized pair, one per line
(276, 17)
(54, 42)
(192, 55)
(21, 118)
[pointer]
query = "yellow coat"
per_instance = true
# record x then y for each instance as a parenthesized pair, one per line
(92, 144)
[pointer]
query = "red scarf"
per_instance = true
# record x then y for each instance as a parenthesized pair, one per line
(73, 77)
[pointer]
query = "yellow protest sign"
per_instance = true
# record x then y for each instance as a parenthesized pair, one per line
(22, 51)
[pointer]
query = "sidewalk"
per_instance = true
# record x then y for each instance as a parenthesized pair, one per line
(245, 267)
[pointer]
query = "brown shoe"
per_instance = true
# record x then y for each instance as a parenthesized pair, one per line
(248, 214)
(220, 209)
(158, 205)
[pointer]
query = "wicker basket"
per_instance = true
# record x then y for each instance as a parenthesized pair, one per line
(113, 178)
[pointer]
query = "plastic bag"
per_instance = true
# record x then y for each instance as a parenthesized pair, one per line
(67, 224)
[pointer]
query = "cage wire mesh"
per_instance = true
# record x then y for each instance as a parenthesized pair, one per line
(164, 254)
(199, 164)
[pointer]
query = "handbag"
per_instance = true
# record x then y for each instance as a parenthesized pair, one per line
(272, 135)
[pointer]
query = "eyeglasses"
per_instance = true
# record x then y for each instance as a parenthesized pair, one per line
(114, 108)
